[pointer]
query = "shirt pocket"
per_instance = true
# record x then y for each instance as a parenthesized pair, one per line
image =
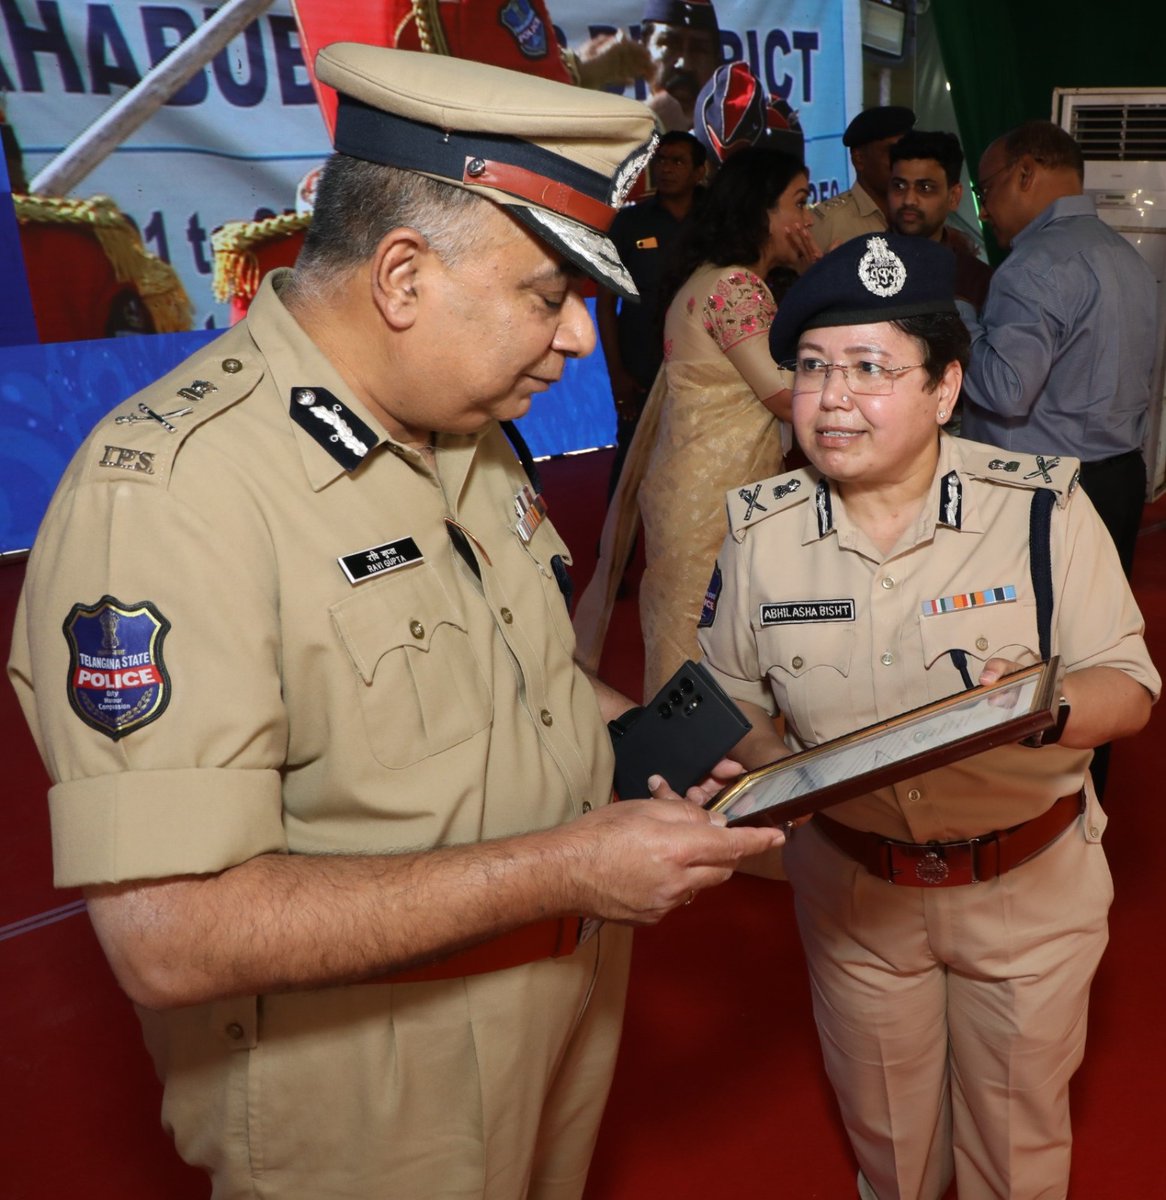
(991, 631)
(421, 689)
(808, 667)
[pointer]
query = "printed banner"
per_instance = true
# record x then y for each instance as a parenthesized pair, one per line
(234, 143)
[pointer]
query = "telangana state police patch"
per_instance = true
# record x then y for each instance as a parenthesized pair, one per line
(117, 679)
(708, 610)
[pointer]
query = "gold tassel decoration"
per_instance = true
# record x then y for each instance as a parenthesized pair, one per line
(236, 266)
(156, 281)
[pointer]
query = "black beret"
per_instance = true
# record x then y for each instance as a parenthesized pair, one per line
(872, 278)
(874, 124)
(695, 14)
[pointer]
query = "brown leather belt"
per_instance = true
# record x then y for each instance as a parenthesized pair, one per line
(952, 864)
(545, 939)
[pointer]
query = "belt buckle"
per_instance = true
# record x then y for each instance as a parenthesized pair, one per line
(932, 868)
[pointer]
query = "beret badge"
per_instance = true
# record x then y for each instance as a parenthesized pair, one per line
(881, 270)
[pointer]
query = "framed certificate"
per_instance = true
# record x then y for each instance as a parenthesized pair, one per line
(1016, 707)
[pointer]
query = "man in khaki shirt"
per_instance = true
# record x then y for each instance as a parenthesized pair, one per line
(863, 207)
(293, 648)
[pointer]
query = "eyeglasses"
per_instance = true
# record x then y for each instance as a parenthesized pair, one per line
(985, 185)
(862, 378)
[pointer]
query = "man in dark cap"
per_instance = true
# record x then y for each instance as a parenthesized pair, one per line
(684, 42)
(293, 647)
(863, 207)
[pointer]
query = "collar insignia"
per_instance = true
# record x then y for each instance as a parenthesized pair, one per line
(824, 508)
(332, 425)
(951, 500)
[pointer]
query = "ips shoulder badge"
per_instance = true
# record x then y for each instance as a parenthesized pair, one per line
(117, 679)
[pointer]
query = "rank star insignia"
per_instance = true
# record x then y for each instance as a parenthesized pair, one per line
(782, 490)
(998, 464)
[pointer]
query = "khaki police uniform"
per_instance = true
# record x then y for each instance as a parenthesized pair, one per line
(271, 698)
(846, 216)
(951, 1018)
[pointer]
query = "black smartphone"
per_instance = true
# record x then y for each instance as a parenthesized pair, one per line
(685, 730)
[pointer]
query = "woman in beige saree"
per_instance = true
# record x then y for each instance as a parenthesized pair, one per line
(713, 419)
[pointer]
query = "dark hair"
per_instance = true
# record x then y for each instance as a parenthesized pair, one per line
(677, 137)
(358, 202)
(939, 145)
(945, 340)
(733, 222)
(1049, 144)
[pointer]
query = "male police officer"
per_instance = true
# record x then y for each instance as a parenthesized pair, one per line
(863, 207)
(293, 647)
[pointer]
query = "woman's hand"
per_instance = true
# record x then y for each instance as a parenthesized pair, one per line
(804, 246)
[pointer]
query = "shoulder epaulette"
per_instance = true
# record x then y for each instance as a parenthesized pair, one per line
(839, 201)
(141, 437)
(755, 501)
(237, 273)
(156, 281)
(1057, 472)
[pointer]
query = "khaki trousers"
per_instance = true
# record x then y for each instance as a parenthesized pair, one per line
(484, 1088)
(951, 1019)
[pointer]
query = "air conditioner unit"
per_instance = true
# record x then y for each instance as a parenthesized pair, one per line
(1122, 132)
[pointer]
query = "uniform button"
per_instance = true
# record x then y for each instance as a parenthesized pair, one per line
(914, 795)
(305, 396)
(235, 1031)
(797, 662)
(417, 629)
(888, 582)
(506, 615)
(586, 806)
(887, 658)
(981, 643)
(232, 366)
(1094, 832)
(546, 718)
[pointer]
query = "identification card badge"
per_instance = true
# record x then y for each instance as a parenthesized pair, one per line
(364, 565)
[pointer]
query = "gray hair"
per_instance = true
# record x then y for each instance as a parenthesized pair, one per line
(358, 202)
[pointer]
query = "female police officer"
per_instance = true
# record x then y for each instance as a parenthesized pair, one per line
(950, 981)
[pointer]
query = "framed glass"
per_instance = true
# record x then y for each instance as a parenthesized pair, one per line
(1014, 708)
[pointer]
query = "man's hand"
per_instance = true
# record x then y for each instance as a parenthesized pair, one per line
(612, 58)
(635, 861)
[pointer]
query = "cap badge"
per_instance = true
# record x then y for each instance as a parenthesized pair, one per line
(881, 270)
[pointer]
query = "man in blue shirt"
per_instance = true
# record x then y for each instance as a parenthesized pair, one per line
(1063, 353)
